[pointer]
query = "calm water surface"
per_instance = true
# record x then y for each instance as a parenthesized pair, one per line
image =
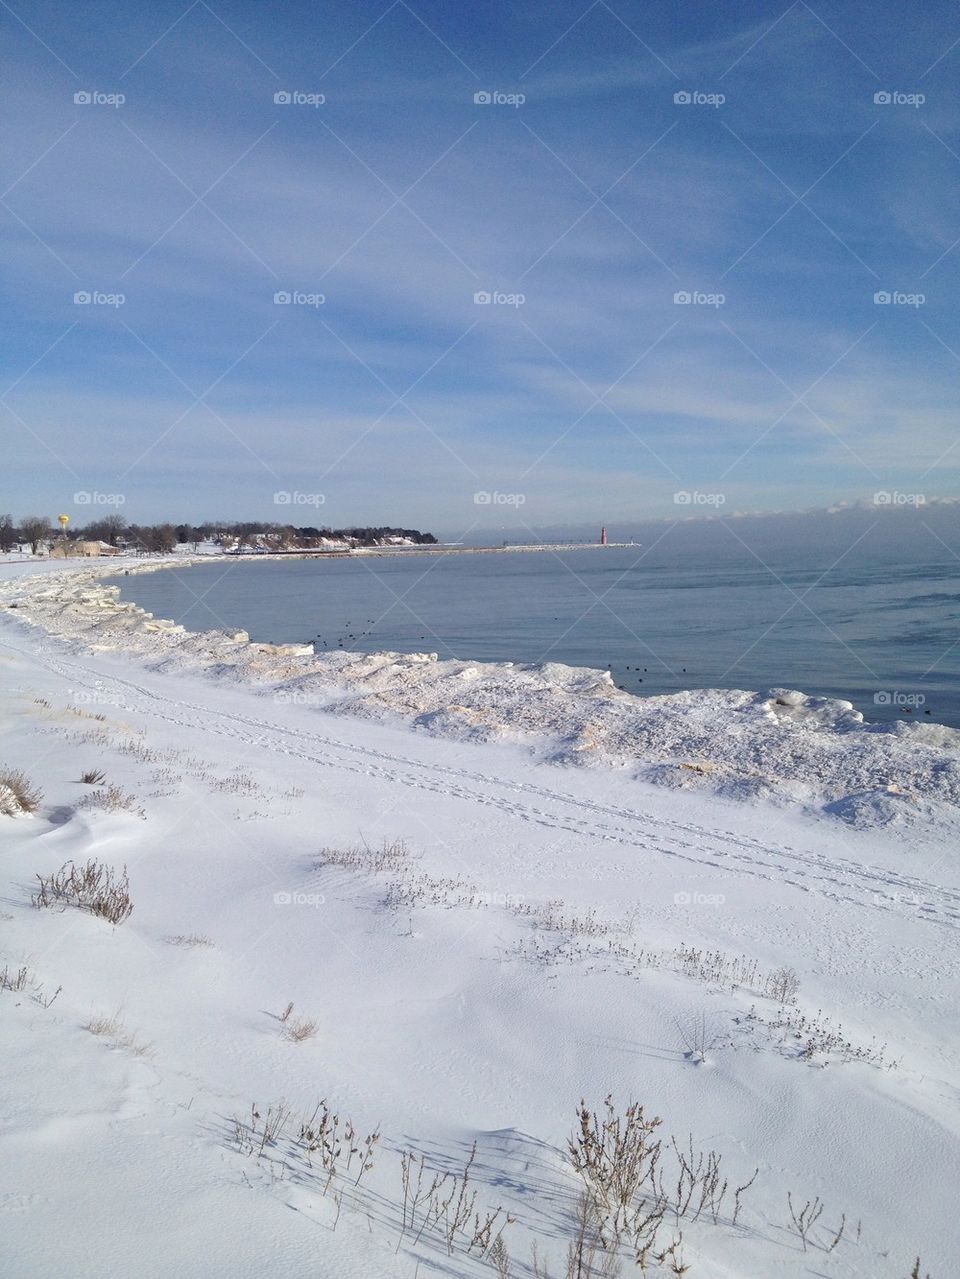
(858, 631)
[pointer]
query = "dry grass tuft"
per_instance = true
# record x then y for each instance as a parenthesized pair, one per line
(112, 1027)
(92, 887)
(111, 799)
(783, 985)
(299, 1029)
(392, 855)
(238, 782)
(17, 794)
(15, 981)
(93, 777)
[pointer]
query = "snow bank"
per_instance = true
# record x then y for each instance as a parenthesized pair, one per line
(781, 745)
(543, 935)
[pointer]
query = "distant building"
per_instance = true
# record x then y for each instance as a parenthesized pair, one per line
(63, 549)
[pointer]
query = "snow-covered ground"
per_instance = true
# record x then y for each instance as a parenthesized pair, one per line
(541, 936)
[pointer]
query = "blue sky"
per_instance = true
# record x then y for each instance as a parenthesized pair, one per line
(795, 199)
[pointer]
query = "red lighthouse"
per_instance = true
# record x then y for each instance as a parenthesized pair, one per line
(603, 536)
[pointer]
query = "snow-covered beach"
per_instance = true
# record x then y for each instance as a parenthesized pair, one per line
(488, 892)
(779, 744)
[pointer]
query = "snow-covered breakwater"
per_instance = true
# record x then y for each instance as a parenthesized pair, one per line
(780, 745)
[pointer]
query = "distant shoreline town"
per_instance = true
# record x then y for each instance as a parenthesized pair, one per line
(112, 535)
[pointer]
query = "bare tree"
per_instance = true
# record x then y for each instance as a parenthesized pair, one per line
(107, 529)
(35, 529)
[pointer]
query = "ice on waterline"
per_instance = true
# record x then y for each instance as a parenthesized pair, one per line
(781, 745)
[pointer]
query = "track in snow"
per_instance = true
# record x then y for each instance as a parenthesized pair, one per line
(836, 878)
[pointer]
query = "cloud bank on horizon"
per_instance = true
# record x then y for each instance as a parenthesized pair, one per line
(468, 267)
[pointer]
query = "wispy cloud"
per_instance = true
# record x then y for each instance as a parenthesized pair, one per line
(584, 210)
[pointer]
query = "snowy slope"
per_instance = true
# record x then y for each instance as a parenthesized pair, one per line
(530, 947)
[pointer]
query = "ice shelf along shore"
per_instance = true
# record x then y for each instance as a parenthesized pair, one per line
(780, 744)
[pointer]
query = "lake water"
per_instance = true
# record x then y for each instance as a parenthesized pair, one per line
(886, 636)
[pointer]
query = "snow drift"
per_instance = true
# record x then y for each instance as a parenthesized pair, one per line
(782, 745)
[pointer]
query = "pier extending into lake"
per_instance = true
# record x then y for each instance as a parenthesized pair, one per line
(437, 548)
